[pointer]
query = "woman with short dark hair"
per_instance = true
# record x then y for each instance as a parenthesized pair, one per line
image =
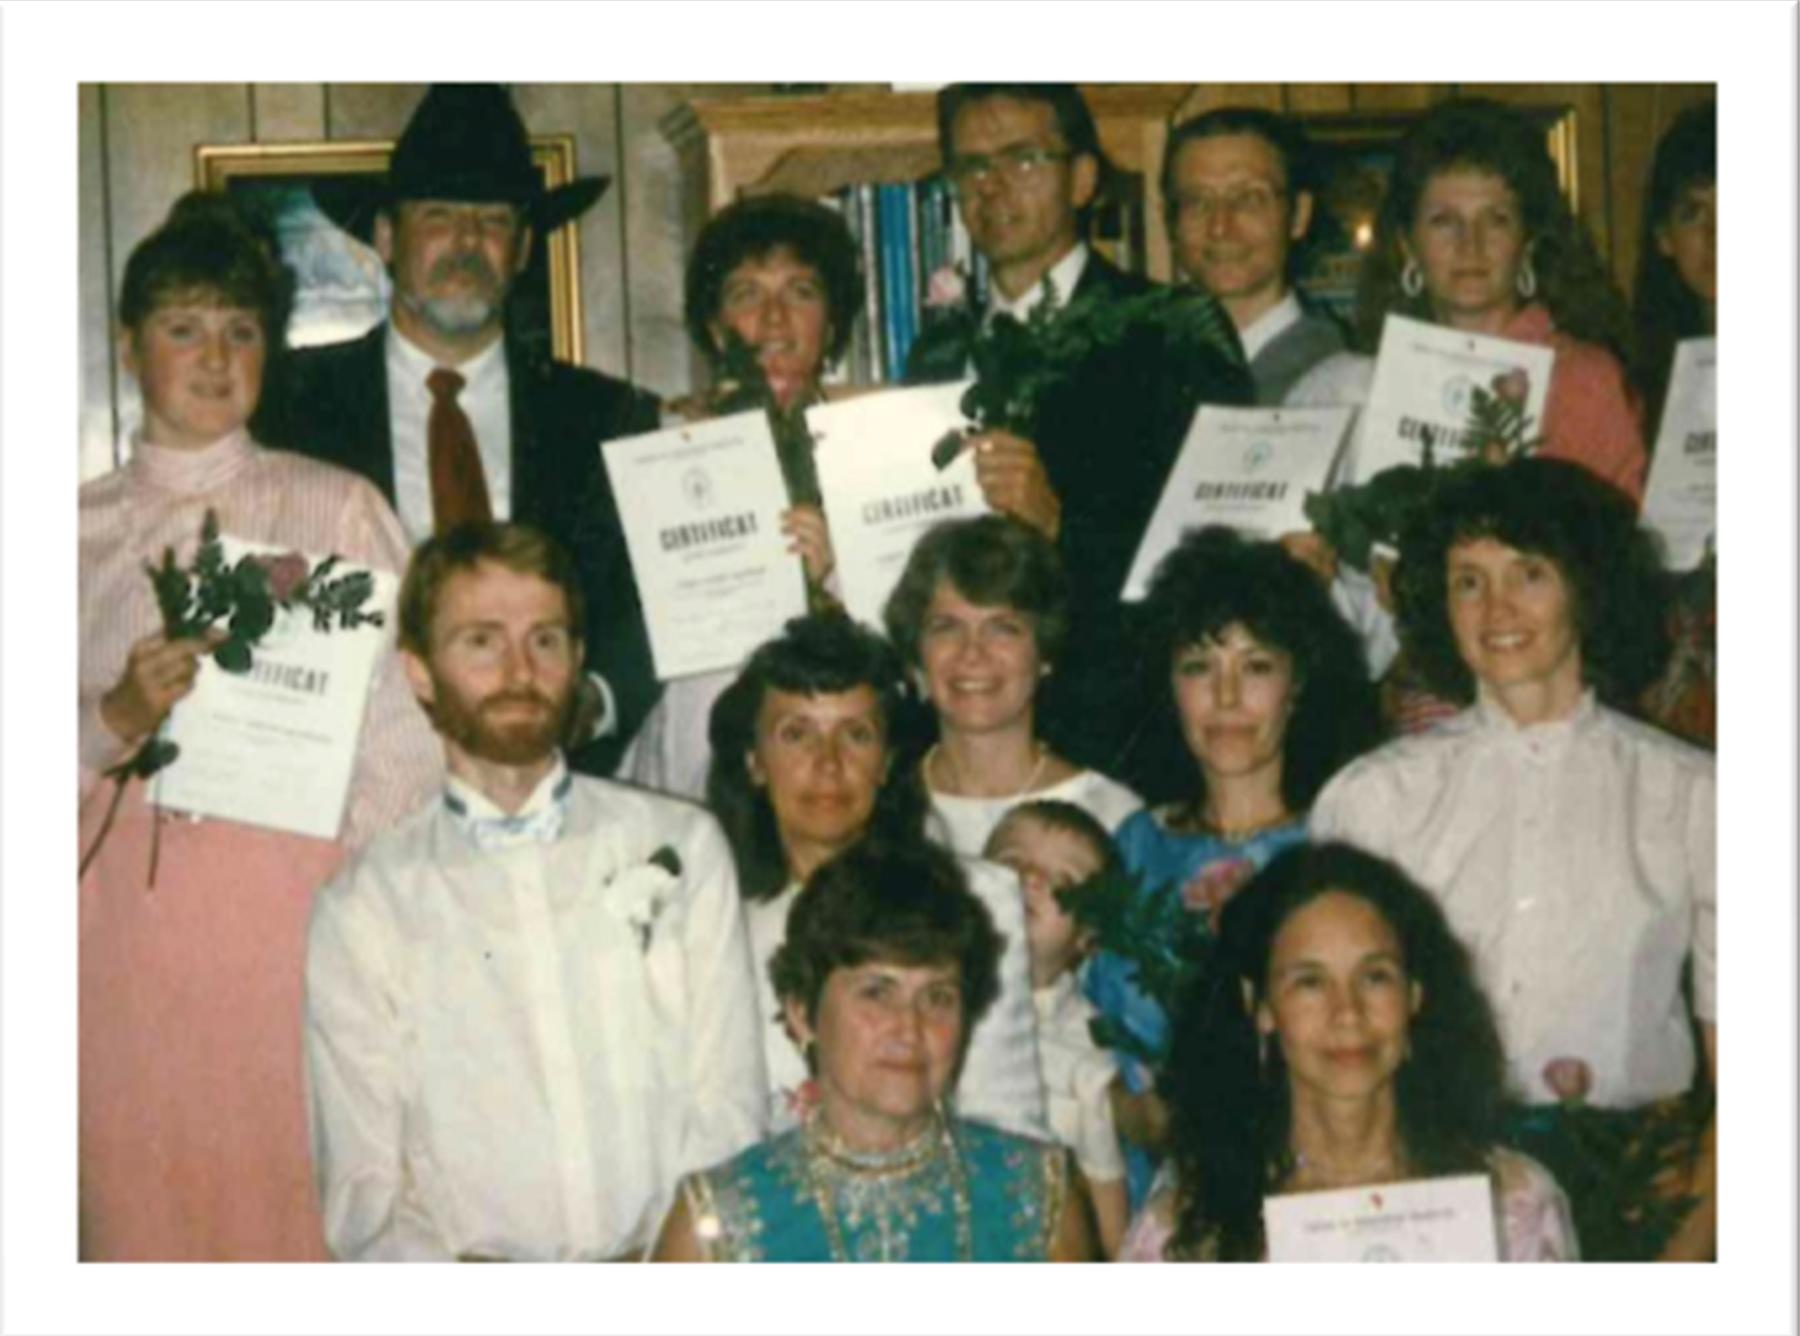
(778, 277)
(1338, 1039)
(1571, 846)
(981, 614)
(889, 962)
(806, 748)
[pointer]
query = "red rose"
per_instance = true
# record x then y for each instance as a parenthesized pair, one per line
(286, 574)
(1208, 889)
(1569, 1078)
(1512, 386)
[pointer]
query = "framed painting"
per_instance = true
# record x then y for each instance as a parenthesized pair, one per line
(342, 288)
(1355, 158)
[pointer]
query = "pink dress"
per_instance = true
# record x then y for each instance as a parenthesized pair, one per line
(1532, 1219)
(192, 1113)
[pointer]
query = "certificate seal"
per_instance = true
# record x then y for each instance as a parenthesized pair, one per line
(697, 486)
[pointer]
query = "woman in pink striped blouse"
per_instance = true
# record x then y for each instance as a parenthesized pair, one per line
(193, 932)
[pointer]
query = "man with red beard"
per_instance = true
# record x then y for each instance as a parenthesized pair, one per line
(530, 1007)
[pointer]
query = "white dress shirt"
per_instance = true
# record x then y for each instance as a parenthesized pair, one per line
(1078, 1075)
(1575, 859)
(1263, 330)
(484, 399)
(515, 1052)
(1063, 275)
(1000, 1083)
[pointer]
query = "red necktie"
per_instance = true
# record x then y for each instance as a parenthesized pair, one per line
(459, 492)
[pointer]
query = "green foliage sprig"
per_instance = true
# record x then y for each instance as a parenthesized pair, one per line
(1167, 944)
(1017, 363)
(1609, 1162)
(245, 596)
(743, 387)
(1355, 519)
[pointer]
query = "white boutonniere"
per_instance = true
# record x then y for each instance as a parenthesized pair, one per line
(641, 892)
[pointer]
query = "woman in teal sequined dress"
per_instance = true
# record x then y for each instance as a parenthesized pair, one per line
(887, 962)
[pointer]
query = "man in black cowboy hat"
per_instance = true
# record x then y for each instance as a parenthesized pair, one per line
(453, 419)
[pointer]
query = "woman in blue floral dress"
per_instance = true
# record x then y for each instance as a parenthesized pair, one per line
(1268, 697)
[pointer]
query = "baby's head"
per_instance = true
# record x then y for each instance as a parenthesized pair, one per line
(1052, 846)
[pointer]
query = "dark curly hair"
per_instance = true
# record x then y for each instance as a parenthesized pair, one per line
(1074, 122)
(815, 655)
(993, 561)
(1231, 1106)
(754, 228)
(1572, 281)
(900, 902)
(1215, 579)
(1560, 511)
(211, 247)
(1664, 308)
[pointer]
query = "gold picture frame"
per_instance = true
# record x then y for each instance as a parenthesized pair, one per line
(341, 285)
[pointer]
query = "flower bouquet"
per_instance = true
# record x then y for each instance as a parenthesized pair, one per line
(1358, 519)
(1614, 1164)
(1017, 363)
(244, 597)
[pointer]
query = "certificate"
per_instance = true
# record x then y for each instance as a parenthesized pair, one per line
(701, 507)
(1430, 1220)
(1681, 499)
(275, 746)
(881, 489)
(1425, 378)
(1250, 468)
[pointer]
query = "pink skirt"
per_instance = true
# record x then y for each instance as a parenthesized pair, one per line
(193, 1110)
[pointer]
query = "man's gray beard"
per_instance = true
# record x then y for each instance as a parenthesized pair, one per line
(453, 317)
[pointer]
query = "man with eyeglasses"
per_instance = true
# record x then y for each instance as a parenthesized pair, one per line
(1026, 166)
(1237, 184)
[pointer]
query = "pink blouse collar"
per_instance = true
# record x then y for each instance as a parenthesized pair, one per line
(1531, 324)
(190, 472)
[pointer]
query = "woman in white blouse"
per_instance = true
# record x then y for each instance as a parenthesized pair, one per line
(1572, 847)
(980, 614)
(804, 747)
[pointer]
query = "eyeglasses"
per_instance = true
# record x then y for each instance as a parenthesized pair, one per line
(1241, 201)
(1015, 166)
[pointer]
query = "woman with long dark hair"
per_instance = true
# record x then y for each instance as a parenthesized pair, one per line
(1265, 698)
(1475, 234)
(1338, 1040)
(1677, 290)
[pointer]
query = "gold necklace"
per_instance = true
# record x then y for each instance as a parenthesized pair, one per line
(1037, 773)
(1235, 834)
(823, 1147)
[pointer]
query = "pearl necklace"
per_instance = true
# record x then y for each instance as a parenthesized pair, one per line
(934, 1141)
(1037, 773)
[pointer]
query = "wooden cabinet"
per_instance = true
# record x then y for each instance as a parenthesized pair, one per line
(817, 144)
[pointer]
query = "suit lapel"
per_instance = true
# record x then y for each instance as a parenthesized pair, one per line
(369, 402)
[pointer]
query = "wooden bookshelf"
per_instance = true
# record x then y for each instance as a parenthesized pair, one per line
(816, 144)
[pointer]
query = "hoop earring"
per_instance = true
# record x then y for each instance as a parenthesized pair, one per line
(1526, 279)
(1412, 278)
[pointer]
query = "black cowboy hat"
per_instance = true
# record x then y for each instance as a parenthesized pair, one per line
(464, 142)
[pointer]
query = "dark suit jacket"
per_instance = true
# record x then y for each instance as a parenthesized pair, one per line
(332, 404)
(1108, 436)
